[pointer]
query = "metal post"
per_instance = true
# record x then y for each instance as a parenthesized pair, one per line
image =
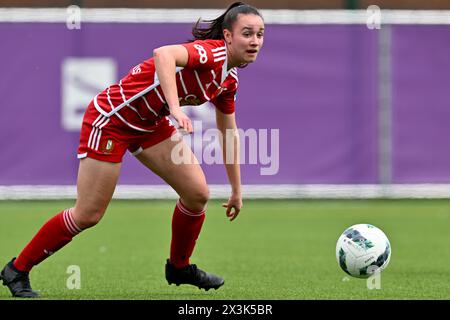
(385, 106)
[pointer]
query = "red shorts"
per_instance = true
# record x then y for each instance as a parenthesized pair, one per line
(107, 139)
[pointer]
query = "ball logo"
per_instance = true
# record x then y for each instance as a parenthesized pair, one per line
(358, 238)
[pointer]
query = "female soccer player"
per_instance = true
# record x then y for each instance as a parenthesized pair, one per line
(132, 115)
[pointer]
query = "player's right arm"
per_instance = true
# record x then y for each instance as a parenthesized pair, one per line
(167, 58)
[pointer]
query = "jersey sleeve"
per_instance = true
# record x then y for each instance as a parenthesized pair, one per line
(204, 54)
(225, 102)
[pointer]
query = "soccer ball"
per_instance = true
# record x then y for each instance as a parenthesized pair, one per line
(362, 250)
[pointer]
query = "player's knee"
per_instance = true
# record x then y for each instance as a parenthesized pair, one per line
(89, 218)
(201, 196)
(91, 221)
(196, 199)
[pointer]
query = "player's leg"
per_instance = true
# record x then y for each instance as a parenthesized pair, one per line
(189, 181)
(95, 185)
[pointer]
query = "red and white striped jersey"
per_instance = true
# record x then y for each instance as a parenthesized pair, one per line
(138, 100)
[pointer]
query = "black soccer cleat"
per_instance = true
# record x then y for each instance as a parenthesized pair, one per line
(17, 281)
(192, 275)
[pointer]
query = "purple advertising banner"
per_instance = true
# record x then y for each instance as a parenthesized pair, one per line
(421, 104)
(310, 102)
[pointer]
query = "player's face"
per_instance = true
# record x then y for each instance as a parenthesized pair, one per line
(246, 39)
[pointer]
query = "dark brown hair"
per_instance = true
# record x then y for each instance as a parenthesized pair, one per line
(214, 28)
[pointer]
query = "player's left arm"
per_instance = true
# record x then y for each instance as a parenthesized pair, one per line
(226, 123)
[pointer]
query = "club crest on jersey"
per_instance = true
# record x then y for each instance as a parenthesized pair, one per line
(107, 146)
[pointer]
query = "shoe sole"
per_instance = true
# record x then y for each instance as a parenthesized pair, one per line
(206, 288)
(34, 296)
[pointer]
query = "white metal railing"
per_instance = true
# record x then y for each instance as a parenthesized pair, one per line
(283, 191)
(119, 15)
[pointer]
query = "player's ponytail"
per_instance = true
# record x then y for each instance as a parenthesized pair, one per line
(214, 28)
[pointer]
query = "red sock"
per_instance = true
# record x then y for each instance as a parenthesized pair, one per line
(53, 235)
(186, 226)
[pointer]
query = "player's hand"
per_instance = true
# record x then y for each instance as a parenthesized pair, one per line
(235, 202)
(183, 120)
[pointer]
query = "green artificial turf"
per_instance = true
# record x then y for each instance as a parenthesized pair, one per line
(276, 249)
